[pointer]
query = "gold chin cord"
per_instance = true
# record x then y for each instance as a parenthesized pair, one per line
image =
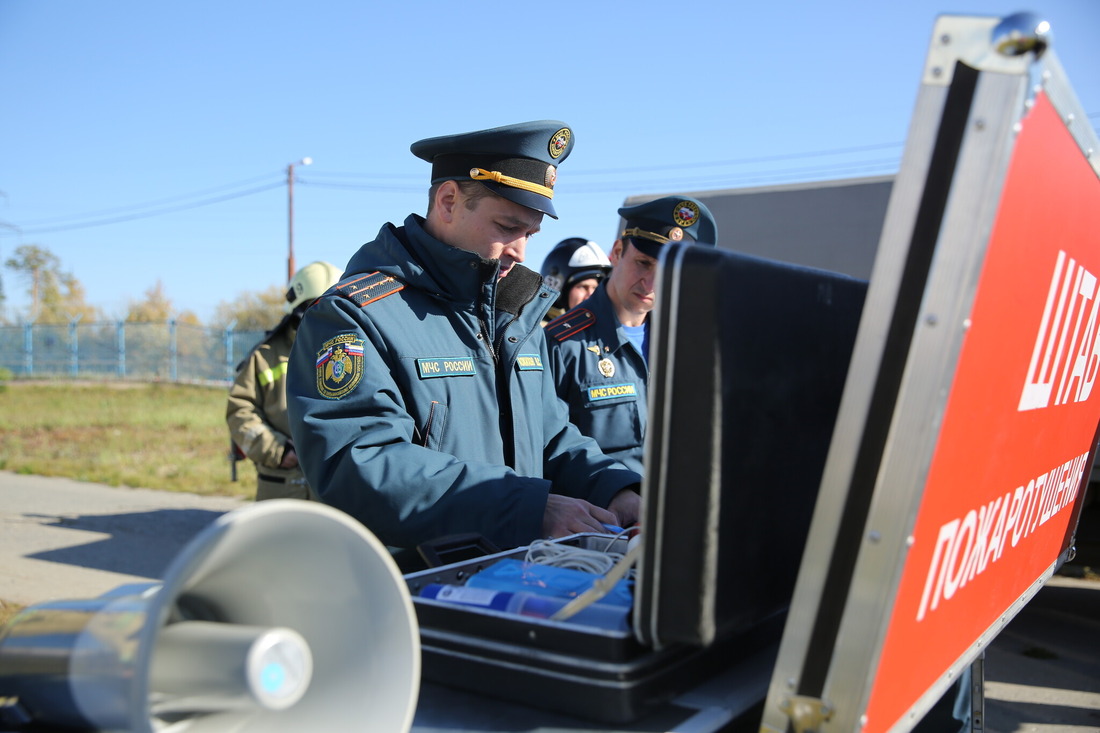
(480, 174)
(643, 234)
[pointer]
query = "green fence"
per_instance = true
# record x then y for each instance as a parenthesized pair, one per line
(166, 351)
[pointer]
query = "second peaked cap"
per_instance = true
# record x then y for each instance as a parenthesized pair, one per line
(668, 220)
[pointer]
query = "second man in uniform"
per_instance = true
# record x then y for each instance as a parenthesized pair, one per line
(600, 349)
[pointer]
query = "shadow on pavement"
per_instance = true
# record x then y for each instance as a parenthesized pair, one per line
(1049, 658)
(1058, 636)
(1058, 714)
(128, 549)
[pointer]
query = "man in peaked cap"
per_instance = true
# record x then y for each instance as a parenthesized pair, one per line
(599, 349)
(417, 388)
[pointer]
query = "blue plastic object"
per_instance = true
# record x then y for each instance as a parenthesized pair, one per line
(599, 615)
(546, 580)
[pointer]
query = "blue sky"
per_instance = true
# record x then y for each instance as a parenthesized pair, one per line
(149, 141)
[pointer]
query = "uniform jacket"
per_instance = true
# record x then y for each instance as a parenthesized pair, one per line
(256, 409)
(421, 404)
(601, 376)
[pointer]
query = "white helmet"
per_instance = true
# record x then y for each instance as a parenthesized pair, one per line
(571, 261)
(310, 282)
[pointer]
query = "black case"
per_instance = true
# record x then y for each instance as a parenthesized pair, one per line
(748, 361)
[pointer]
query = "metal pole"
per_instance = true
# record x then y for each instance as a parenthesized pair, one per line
(173, 351)
(28, 348)
(121, 330)
(977, 694)
(290, 221)
(290, 216)
(74, 349)
(230, 372)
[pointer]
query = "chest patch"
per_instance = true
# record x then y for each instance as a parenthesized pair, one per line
(445, 366)
(529, 362)
(339, 365)
(612, 392)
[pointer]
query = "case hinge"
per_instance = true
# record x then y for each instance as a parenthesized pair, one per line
(806, 713)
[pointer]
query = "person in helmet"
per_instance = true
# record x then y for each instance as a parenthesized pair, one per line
(599, 349)
(256, 410)
(574, 268)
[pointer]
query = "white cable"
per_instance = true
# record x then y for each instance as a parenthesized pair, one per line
(599, 562)
(546, 552)
(601, 587)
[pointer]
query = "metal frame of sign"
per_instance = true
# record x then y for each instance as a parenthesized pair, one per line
(941, 464)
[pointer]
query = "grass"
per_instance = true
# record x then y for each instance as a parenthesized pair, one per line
(169, 437)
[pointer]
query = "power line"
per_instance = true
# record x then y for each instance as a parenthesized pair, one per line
(871, 167)
(148, 214)
(317, 176)
(379, 176)
(385, 184)
(742, 161)
(150, 209)
(149, 204)
(377, 187)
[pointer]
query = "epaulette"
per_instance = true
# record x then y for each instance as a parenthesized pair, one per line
(572, 322)
(366, 289)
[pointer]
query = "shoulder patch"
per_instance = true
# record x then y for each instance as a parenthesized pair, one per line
(572, 322)
(339, 365)
(366, 289)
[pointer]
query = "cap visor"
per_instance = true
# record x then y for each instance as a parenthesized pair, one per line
(523, 198)
(647, 246)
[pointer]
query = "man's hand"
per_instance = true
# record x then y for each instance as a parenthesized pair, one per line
(565, 515)
(290, 458)
(627, 507)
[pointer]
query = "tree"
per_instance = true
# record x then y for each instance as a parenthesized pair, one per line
(36, 264)
(157, 308)
(56, 296)
(252, 310)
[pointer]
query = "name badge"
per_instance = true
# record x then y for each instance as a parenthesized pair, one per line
(611, 392)
(529, 363)
(445, 366)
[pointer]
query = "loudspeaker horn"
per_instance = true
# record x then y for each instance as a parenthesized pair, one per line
(281, 616)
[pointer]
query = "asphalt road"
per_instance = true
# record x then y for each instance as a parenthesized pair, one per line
(62, 539)
(67, 539)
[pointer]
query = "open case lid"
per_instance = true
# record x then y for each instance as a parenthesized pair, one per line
(747, 364)
(968, 422)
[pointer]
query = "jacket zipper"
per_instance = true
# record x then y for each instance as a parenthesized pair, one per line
(485, 327)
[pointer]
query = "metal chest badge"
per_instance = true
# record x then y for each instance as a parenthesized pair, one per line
(607, 367)
(339, 365)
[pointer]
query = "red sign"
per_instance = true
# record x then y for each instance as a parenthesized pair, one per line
(1019, 422)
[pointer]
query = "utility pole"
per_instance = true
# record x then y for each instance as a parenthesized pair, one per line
(290, 216)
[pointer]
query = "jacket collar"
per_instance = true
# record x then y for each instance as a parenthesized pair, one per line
(419, 259)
